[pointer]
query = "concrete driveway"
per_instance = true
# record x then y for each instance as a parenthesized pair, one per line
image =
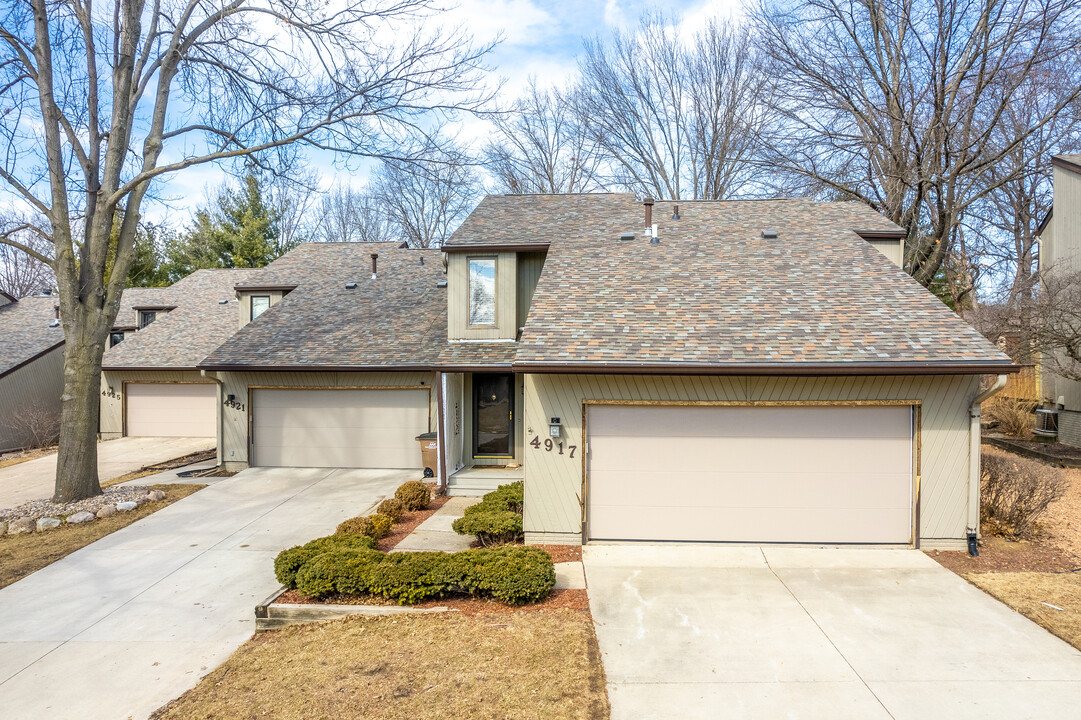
(36, 479)
(747, 632)
(122, 626)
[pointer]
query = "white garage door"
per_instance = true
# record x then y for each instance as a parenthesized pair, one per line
(338, 428)
(751, 474)
(177, 410)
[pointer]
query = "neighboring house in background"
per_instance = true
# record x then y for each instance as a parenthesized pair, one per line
(336, 369)
(31, 368)
(1060, 252)
(149, 383)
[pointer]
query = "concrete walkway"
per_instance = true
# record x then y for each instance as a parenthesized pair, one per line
(746, 632)
(436, 534)
(35, 479)
(122, 626)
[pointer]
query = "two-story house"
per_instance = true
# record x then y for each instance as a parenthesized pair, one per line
(1060, 254)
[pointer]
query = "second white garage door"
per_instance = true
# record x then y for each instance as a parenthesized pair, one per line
(171, 410)
(804, 474)
(338, 428)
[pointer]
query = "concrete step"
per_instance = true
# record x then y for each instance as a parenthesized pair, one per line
(469, 489)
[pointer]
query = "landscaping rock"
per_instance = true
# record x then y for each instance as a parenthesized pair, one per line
(125, 506)
(21, 525)
(80, 517)
(155, 495)
(142, 500)
(107, 511)
(48, 523)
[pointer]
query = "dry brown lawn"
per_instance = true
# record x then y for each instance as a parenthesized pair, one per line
(410, 667)
(23, 554)
(1026, 592)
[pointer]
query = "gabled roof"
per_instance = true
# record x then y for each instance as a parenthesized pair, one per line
(714, 295)
(25, 331)
(180, 338)
(396, 321)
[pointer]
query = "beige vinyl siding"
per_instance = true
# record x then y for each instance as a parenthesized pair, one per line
(458, 327)
(111, 419)
(529, 272)
(554, 487)
(893, 249)
(235, 419)
(244, 313)
(1060, 252)
(38, 385)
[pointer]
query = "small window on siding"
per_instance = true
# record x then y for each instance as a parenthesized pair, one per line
(259, 305)
(482, 291)
(115, 338)
(146, 317)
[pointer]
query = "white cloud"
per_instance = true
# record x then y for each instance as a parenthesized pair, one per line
(614, 16)
(520, 22)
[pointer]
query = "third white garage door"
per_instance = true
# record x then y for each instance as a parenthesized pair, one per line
(796, 474)
(338, 428)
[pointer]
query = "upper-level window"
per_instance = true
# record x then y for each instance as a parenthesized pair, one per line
(482, 291)
(259, 305)
(146, 317)
(115, 338)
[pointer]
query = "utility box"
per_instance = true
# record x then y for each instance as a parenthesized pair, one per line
(429, 452)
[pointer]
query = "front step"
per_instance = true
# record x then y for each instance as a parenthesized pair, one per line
(471, 488)
(474, 481)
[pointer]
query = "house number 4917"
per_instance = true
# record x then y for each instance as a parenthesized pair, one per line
(553, 445)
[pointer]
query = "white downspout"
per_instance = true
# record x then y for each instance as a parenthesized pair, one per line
(973, 530)
(219, 414)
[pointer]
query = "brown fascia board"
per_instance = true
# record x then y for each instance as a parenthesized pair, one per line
(495, 247)
(31, 359)
(1045, 222)
(153, 307)
(1065, 164)
(781, 369)
(125, 328)
(148, 368)
(263, 288)
(882, 234)
(476, 367)
(11, 298)
(231, 367)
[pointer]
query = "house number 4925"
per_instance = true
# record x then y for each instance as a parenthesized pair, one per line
(557, 445)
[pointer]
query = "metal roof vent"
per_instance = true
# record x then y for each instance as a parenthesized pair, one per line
(350, 286)
(441, 284)
(421, 259)
(223, 302)
(675, 212)
(626, 237)
(54, 323)
(769, 234)
(654, 240)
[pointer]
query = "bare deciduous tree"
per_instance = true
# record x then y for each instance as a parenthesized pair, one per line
(542, 147)
(22, 274)
(350, 215)
(426, 200)
(102, 100)
(898, 103)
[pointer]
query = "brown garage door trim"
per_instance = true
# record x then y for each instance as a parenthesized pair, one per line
(252, 388)
(917, 444)
(124, 396)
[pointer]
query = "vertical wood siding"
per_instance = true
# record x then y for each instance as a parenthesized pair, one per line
(1060, 250)
(554, 482)
(529, 272)
(234, 444)
(111, 421)
(36, 385)
(891, 249)
(506, 310)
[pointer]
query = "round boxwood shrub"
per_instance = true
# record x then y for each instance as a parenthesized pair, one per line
(414, 495)
(392, 508)
(291, 560)
(374, 526)
(491, 527)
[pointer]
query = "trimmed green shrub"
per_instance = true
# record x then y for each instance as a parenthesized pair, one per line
(291, 560)
(344, 571)
(515, 575)
(410, 577)
(392, 508)
(491, 527)
(374, 526)
(414, 495)
(497, 518)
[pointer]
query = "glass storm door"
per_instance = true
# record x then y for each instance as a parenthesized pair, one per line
(493, 406)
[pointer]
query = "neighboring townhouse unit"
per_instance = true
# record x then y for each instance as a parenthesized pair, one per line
(149, 382)
(335, 368)
(1060, 253)
(31, 367)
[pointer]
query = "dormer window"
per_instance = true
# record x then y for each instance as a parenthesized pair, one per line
(259, 305)
(146, 317)
(115, 338)
(482, 291)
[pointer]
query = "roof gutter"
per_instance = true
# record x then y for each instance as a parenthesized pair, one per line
(317, 368)
(973, 530)
(496, 247)
(787, 369)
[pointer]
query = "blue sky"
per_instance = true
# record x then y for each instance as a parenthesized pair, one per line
(541, 39)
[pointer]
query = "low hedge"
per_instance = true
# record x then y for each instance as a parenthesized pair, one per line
(291, 560)
(414, 495)
(497, 518)
(514, 575)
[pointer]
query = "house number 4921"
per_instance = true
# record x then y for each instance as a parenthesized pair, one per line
(234, 404)
(553, 445)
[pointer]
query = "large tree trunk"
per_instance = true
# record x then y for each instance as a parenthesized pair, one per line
(77, 456)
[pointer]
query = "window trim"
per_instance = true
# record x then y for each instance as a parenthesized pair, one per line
(469, 294)
(251, 306)
(143, 313)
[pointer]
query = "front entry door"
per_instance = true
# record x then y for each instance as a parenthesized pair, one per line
(493, 416)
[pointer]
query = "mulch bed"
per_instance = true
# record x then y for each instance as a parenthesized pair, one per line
(562, 553)
(557, 600)
(1000, 555)
(409, 523)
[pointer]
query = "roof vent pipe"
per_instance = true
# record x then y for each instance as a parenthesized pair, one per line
(375, 256)
(769, 234)
(675, 212)
(648, 202)
(421, 259)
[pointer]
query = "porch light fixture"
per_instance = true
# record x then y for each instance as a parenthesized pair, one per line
(553, 427)
(230, 398)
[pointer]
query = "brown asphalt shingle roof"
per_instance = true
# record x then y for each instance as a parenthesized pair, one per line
(25, 331)
(183, 336)
(469, 354)
(397, 320)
